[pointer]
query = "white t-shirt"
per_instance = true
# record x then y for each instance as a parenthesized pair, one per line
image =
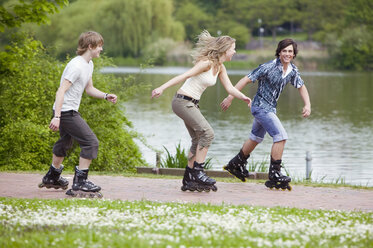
(78, 71)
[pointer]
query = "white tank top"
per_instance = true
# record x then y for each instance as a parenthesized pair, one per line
(196, 85)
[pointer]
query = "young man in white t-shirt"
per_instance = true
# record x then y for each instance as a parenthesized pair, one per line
(76, 78)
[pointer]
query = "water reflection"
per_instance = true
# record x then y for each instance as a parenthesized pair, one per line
(338, 133)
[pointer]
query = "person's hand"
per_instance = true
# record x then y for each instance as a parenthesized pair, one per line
(306, 111)
(157, 92)
(226, 103)
(111, 98)
(248, 101)
(55, 124)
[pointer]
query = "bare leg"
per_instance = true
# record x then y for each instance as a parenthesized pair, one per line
(84, 163)
(57, 161)
(201, 154)
(191, 159)
(278, 149)
(249, 146)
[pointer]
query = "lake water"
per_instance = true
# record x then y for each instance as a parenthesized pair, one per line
(339, 133)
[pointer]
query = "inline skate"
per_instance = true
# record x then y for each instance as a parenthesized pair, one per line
(196, 180)
(53, 179)
(237, 166)
(276, 179)
(82, 187)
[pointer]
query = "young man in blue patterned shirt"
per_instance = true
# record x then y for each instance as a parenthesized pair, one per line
(272, 77)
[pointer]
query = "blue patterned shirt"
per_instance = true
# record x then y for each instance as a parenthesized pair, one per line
(271, 83)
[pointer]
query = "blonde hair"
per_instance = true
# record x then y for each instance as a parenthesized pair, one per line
(211, 48)
(89, 38)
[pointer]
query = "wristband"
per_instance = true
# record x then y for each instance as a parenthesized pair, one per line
(57, 117)
(105, 97)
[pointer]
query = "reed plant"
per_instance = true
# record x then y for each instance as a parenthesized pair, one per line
(179, 159)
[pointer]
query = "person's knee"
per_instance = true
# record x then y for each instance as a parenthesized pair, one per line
(90, 149)
(207, 137)
(280, 142)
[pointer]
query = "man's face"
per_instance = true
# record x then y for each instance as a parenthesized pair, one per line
(287, 54)
(96, 51)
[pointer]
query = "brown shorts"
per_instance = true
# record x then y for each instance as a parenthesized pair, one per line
(199, 129)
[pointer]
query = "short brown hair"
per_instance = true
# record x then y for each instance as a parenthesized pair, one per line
(283, 44)
(89, 38)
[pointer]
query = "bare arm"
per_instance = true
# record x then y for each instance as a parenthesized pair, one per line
(55, 122)
(306, 99)
(94, 92)
(198, 68)
(229, 87)
(239, 86)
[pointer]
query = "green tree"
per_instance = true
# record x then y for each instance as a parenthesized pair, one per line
(350, 44)
(360, 12)
(320, 17)
(126, 25)
(193, 18)
(15, 13)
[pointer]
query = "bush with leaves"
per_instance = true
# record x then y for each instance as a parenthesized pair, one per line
(29, 79)
(353, 49)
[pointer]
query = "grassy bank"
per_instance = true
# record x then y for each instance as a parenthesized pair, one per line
(311, 57)
(104, 223)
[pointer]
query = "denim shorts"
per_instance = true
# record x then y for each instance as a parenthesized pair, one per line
(265, 121)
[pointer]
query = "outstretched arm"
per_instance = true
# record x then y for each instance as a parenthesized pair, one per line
(94, 92)
(306, 99)
(229, 87)
(239, 86)
(198, 68)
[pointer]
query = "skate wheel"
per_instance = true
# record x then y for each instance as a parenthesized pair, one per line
(268, 184)
(41, 185)
(99, 195)
(47, 186)
(64, 188)
(200, 189)
(183, 188)
(91, 195)
(214, 188)
(207, 190)
(70, 192)
(289, 188)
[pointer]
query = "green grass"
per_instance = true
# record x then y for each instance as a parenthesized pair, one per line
(106, 223)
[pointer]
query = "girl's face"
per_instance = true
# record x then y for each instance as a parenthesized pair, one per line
(287, 54)
(230, 52)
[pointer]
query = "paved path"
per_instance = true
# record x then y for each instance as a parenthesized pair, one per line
(23, 185)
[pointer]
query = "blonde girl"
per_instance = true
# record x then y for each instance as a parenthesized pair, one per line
(209, 55)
